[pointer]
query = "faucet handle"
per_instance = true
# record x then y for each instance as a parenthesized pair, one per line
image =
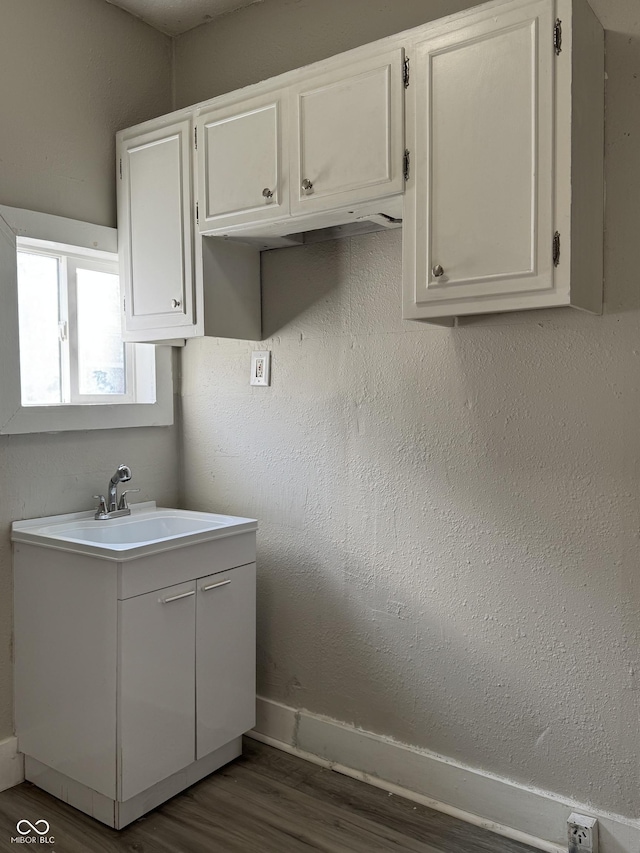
(102, 504)
(122, 504)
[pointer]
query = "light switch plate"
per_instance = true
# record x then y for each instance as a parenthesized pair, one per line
(261, 368)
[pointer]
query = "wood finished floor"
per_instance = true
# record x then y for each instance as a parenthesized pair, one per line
(264, 802)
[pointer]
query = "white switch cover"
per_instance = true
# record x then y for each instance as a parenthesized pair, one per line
(261, 368)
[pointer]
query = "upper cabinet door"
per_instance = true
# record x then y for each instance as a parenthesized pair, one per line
(348, 134)
(479, 206)
(242, 163)
(155, 231)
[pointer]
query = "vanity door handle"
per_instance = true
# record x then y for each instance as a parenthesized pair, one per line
(214, 586)
(176, 597)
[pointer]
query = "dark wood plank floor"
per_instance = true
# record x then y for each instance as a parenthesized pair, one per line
(264, 802)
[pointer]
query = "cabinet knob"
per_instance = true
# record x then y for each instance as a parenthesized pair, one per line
(307, 186)
(267, 193)
(175, 303)
(437, 271)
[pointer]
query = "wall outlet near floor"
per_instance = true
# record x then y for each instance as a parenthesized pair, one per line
(582, 833)
(260, 368)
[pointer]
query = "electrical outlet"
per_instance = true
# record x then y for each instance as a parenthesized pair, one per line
(582, 834)
(260, 368)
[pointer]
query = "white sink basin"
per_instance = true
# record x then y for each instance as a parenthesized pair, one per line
(147, 530)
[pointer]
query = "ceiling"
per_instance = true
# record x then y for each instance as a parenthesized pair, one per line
(177, 16)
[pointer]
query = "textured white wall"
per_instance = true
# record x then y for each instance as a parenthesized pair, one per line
(449, 519)
(73, 72)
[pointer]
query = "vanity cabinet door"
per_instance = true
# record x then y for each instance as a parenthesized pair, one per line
(478, 225)
(225, 657)
(347, 129)
(155, 219)
(156, 728)
(242, 163)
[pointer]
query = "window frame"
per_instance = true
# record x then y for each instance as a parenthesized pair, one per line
(70, 261)
(73, 263)
(16, 418)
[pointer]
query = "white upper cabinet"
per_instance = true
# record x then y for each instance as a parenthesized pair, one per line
(488, 210)
(347, 131)
(327, 142)
(486, 145)
(242, 162)
(484, 154)
(156, 231)
(174, 287)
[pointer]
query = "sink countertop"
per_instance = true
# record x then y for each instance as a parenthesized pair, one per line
(148, 530)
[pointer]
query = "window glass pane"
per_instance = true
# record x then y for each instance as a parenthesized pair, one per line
(101, 362)
(38, 310)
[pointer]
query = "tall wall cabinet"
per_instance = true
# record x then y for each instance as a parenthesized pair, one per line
(155, 229)
(504, 205)
(481, 134)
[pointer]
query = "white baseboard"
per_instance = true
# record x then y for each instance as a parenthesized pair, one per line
(11, 764)
(533, 817)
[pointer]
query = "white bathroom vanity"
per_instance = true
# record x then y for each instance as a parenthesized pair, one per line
(134, 653)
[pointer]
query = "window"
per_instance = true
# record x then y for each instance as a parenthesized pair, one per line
(65, 365)
(71, 349)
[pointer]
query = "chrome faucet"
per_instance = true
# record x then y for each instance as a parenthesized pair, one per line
(112, 507)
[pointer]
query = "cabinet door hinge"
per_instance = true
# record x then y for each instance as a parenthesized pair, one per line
(195, 137)
(405, 73)
(197, 214)
(121, 168)
(556, 249)
(557, 36)
(406, 164)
